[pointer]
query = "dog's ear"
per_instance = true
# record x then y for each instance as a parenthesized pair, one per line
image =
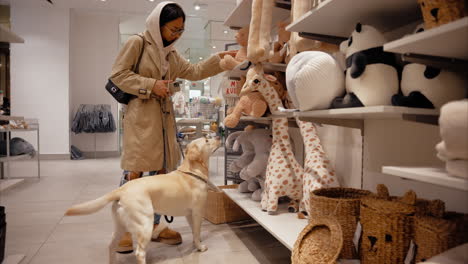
(193, 153)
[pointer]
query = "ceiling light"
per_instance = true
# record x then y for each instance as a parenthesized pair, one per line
(103, 0)
(225, 31)
(214, 47)
(201, 58)
(188, 60)
(197, 7)
(151, 0)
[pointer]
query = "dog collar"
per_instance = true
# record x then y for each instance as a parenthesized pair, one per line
(195, 176)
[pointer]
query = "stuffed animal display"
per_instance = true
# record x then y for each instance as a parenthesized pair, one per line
(260, 30)
(299, 44)
(228, 62)
(313, 80)
(427, 87)
(367, 66)
(252, 104)
(284, 175)
(280, 47)
(254, 159)
(453, 149)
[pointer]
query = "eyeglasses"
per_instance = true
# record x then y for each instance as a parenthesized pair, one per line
(175, 32)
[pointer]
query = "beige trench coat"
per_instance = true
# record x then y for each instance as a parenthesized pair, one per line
(143, 123)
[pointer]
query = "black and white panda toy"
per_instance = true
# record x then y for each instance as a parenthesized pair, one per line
(371, 73)
(428, 87)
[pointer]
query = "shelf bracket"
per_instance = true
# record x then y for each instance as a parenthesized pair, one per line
(283, 4)
(438, 62)
(351, 123)
(426, 119)
(325, 38)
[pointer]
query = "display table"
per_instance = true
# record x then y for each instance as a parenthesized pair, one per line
(197, 122)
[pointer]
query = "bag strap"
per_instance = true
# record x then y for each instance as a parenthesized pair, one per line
(136, 69)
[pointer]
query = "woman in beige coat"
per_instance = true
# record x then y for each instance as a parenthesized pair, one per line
(149, 139)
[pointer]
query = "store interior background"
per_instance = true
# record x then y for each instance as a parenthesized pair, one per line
(69, 50)
(68, 53)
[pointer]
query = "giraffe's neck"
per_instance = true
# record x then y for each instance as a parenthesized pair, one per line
(272, 98)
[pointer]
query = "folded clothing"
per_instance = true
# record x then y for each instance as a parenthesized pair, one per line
(454, 130)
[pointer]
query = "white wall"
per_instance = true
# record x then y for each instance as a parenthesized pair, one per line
(94, 45)
(40, 72)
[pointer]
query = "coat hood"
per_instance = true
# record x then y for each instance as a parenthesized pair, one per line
(153, 28)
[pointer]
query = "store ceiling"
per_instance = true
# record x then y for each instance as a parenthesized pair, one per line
(204, 29)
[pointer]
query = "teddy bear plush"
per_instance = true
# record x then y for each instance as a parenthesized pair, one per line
(228, 63)
(278, 54)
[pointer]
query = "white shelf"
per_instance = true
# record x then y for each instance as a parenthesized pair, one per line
(8, 36)
(284, 226)
(449, 40)
(436, 176)
(339, 17)
(14, 259)
(240, 16)
(371, 112)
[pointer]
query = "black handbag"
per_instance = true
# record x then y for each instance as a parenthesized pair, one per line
(119, 95)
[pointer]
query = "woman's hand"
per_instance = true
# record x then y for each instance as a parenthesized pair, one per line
(233, 53)
(160, 88)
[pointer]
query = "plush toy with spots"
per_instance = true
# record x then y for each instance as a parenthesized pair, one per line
(284, 175)
(366, 66)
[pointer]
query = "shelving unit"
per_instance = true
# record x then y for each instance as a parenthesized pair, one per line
(33, 126)
(449, 41)
(240, 16)
(339, 17)
(284, 226)
(436, 176)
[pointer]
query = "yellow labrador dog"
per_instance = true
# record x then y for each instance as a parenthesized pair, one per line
(182, 192)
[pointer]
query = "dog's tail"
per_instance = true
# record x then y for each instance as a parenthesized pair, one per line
(94, 205)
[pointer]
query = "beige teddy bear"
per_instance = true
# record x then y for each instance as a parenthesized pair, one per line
(228, 63)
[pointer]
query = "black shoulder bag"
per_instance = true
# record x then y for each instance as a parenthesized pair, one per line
(119, 95)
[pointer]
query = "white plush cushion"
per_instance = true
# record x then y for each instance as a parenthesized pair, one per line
(446, 87)
(313, 80)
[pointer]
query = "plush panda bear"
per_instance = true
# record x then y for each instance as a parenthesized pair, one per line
(428, 87)
(371, 73)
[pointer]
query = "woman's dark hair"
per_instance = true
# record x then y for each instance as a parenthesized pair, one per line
(170, 12)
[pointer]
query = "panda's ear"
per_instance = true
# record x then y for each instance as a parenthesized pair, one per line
(358, 27)
(431, 73)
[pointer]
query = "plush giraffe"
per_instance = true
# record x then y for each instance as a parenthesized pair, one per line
(285, 176)
(260, 29)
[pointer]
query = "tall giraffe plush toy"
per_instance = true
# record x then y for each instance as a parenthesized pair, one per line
(285, 176)
(260, 28)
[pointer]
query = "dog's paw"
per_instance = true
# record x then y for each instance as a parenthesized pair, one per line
(202, 248)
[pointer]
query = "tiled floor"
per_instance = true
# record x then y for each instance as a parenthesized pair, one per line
(38, 229)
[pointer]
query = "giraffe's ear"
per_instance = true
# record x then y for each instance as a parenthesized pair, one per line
(270, 78)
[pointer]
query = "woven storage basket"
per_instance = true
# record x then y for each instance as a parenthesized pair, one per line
(387, 230)
(342, 204)
(434, 235)
(221, 209)
(319, 243)
(439, 12)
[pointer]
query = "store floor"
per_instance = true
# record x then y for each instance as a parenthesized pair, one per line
(38, 229)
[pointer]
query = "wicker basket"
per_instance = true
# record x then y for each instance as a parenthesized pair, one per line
(434, 235)
(439, 12)
(221, 209)
(319, 243)
(343, 204)
(387, 229)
